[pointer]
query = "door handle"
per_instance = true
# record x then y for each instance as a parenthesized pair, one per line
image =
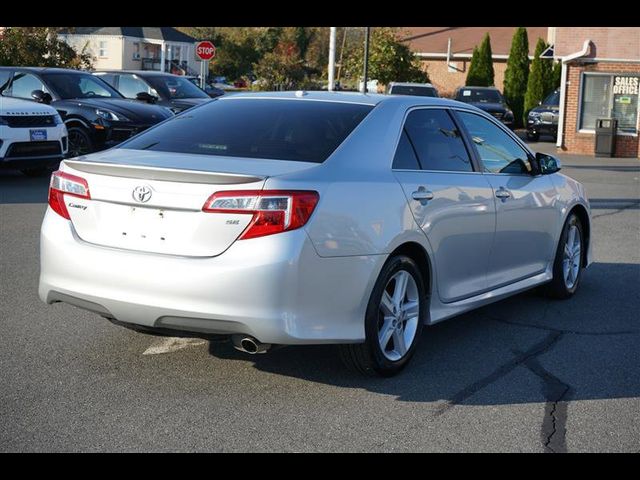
(422, 194)
(503, 193)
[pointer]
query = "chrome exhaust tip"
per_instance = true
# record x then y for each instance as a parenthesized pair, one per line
(248, 344)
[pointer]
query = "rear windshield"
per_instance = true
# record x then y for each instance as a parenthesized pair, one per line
(413, 90)
(299, 130)
(469, 95)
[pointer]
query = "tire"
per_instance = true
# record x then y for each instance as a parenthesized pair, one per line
(369, 358)
(564, 286)
(36, 172)
(533, 137)
(80, 142)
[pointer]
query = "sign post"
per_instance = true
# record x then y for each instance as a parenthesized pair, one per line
(205, 51)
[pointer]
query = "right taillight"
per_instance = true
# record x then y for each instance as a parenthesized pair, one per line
(273, 211)
(62, 184)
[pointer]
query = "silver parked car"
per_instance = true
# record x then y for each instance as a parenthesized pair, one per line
(312, 217)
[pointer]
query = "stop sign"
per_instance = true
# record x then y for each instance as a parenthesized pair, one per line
(205, 50)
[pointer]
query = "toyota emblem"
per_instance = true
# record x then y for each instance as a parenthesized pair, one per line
(142, 193)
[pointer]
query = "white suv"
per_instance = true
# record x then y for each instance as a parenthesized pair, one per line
(32, 136)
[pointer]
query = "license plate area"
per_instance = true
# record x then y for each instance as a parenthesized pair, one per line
(38, 135)
(142, 225)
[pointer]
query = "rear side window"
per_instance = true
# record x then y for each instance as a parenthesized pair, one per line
(280, 129)
(437, 141)
(405, 158)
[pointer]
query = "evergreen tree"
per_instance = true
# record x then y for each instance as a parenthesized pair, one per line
(486, 62)
(538, 81)
(546, 65)
(473, 75)
(556, 76)
(517, 73)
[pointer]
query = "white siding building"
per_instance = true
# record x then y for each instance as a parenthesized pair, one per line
(137, 48)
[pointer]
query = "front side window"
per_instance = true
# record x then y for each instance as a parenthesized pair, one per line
(174, 87)
(498, 151)
(610, 96)
(5, 76)
(297, 130)
(130, 86)
(79, 85)
(25, 83)
(437, 141)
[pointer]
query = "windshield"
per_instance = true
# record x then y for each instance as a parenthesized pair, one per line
(299, 130)
(413, 90)
(174, 87)
(552, 99)
(79, 85)
(469, 95)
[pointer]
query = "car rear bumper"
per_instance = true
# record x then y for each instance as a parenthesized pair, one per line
(275, 288)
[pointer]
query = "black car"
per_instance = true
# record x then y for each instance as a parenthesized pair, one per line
(173, 91)
(488, 99)
(543, 119)
(95, 114)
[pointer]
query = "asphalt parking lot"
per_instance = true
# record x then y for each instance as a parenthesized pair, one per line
(524, 374)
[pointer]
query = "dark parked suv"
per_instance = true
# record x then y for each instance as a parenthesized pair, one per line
(95, 114)
(543, 120)
(173, 91)
(488, 99)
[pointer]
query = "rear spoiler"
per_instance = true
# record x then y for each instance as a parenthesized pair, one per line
(166, 174)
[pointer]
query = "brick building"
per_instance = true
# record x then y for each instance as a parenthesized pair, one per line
(446, 51)
(600, 79)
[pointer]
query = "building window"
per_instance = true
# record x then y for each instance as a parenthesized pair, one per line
(610, 96)
(102, 51)
(136, 51)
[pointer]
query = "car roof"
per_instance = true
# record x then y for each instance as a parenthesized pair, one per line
(145, 73)
(410, 84)
(478, 88)
(349, 97)
(45, 69)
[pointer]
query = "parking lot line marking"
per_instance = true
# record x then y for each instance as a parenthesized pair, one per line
(172, 344)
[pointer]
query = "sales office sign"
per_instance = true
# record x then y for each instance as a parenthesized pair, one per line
(626, 85)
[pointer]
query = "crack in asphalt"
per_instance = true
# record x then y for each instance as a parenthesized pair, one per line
(500, 372)
(557, 394)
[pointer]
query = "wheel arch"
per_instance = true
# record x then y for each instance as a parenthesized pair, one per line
(583, 215)
(418, 254)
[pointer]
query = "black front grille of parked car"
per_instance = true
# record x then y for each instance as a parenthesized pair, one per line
(23, 121)
(33, 149)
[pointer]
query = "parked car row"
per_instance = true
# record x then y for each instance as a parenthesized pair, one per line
(47, 114)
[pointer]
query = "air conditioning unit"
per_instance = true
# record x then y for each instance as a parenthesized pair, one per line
(136, 56)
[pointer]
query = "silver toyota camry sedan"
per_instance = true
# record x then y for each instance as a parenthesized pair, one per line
(312, 217)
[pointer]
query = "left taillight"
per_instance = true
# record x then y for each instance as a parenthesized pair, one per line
(62, 184)
(274, 211)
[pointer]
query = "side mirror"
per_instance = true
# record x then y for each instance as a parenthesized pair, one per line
(547, 164)
(146, 97)
(41, 97)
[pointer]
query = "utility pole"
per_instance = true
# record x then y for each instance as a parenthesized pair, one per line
(332, 58)
(366, 59)
(344, 39)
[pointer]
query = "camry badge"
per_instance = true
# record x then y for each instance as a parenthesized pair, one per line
(142, 193)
